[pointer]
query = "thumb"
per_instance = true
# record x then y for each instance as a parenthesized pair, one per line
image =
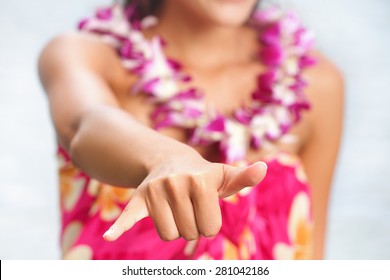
(135, 210)
(237, 178)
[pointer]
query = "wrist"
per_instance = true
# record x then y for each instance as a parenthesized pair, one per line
(167, 155)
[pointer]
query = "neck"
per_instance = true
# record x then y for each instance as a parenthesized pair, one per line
(196, 42)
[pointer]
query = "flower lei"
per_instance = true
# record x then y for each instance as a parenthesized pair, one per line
(276, 104)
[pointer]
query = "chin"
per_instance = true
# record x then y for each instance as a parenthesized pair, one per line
(231, 12)
(221, 12)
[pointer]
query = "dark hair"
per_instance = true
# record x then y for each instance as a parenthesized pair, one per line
(144, 7)
(150, 7)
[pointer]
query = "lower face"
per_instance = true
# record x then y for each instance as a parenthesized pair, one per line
(229, 13)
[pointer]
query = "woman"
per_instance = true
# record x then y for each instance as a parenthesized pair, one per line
(170, 109)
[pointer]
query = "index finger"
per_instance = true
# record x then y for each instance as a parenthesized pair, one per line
(135, 210)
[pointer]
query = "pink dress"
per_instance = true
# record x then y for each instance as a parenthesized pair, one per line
(270, 221)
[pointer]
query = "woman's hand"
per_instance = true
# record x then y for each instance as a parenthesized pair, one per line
(181, 195)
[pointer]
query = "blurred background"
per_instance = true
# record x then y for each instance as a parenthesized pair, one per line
(355, 34)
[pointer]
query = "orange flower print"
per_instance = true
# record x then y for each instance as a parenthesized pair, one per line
(80, 252)
(71, 184)
(190, 247)
(287, 159)
(301, 174)
(235, 198)
(70, 235)
(300, 231)
(292, 160)
(230, 251)
(109, 199)
(244, 250)
(247, 244)
(205, 256)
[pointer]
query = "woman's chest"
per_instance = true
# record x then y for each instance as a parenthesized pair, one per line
(224, 91)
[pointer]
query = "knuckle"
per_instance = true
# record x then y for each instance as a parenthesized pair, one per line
(153, 188)
(173, 190)
(197, 179)
(224, 175)
(198, 183)
(169, 236)
(171, 183)
(153, 182)
(172, 179)
(212, 230)
(191, 236)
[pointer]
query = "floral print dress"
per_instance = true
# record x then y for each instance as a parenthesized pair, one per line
(270, 221)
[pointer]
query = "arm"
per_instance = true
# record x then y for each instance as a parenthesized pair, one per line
(102, 139)
(320, 151)
(175, 185)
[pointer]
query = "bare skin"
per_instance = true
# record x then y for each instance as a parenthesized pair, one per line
(107, 131)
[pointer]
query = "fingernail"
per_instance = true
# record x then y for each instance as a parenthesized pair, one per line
(265, 166)
(108, 233)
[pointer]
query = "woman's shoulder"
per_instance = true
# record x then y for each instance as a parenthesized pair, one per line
(325, 93)
(77, 51)
(326, 82)
(326, 75)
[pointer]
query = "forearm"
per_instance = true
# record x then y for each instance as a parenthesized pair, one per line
(113, 147)
(79, 75)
